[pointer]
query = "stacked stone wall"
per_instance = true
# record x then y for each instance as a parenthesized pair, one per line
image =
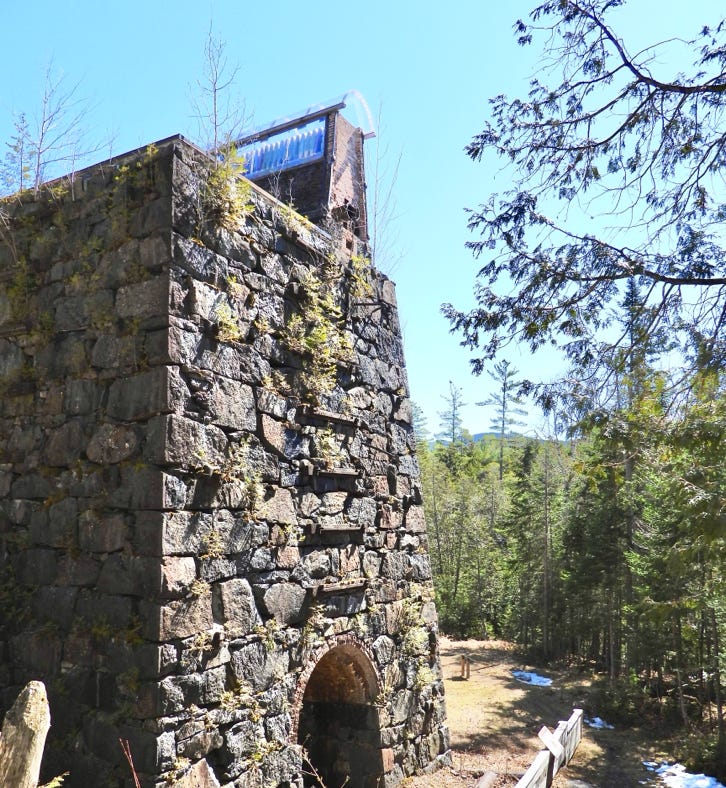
(83, 314)
(207, 482)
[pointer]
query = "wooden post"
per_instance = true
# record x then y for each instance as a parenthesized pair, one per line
(23, 738)
(465, 667)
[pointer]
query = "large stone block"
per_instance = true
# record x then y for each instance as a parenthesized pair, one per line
(103, 612)
(362, 512)
(238, 611)
(178, 619)
(37, 566)
(118, 576)
(7, 315)
(176, 576)
(178, 693)
(414, 520)
(201, 774)
(78, 312)
(148, 488)
(194, 350)
(31, 485)
(56, 604)
(286, 602)
(81, 396)
(152, 752)
(78, 570)
(402, 706)
(59, 529)
(420, 566)
(279, 508)
(39, 652)
(199, 261)
(112, 270)
(197, 533)
(145, 299)
(112, 352)
(288, 557)
(232, 404)
(317, 563)
(240, 742)
(160, 390)
(286, 442)
(172, 533)
(395, 565)
(12, 359)
(176, 440)
(259, 667)
(112, 443)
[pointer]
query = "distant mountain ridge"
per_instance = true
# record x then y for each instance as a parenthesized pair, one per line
(479, 436)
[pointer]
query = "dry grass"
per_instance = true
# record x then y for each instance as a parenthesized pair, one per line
(494, 721)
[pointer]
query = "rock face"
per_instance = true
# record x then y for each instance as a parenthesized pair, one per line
(211, 532)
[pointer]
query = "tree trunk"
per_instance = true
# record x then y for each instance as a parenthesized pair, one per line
(721, 748)
(437, 535)
(546, 567)
(632, 659)
(23, 738)
(679, 673)
(611, 637)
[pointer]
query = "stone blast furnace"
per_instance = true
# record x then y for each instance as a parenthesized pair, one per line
(212, 543)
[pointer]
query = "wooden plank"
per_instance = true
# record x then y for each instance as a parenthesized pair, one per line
(536, 775)
(560, 735)
(345, 528)
(344, 585)
(573, 734)
(552, 743)
(23, 737)
(311, 413)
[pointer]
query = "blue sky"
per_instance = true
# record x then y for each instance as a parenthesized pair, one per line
(426, 69)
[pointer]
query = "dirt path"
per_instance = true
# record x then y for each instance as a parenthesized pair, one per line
(494, 721)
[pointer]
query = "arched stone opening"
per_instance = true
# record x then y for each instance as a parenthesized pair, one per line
(338, 723)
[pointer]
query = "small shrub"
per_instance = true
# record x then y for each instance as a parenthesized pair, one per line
(228, 327)
(360, 282)
(699, 752)
(318, 333)
(226, 195)
(199, 588)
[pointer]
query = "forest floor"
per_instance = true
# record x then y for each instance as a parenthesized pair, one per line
(494, 720)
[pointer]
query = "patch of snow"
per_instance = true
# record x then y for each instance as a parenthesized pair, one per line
(529, 677)
(674, 775)
(598, 722)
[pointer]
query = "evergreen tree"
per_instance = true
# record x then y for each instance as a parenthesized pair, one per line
(452, 432)
(15, 170)
(506, 403)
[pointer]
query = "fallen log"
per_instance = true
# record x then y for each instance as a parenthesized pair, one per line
(487, 780)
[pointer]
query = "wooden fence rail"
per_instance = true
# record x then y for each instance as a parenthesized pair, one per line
(560, 746)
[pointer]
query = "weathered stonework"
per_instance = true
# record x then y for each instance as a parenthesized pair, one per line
(212, 543)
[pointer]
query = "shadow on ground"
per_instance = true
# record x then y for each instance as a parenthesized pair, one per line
(494, 720)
